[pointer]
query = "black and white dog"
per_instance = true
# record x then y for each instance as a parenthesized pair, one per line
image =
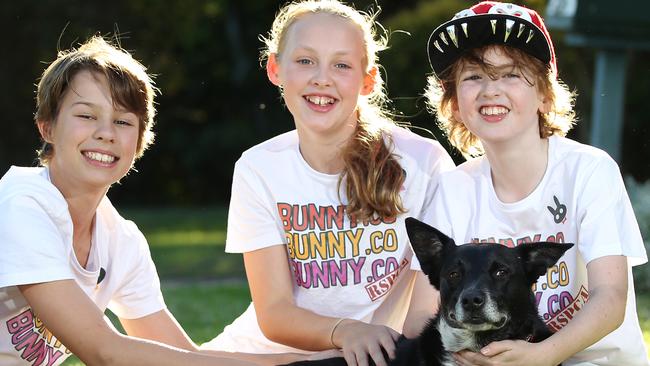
(485, 296)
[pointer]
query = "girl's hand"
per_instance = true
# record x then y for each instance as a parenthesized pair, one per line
(359, 340)
(506, 353)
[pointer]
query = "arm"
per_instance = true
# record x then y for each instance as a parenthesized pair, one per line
(282, 321)
(424, 305)
(77, 322)
(160, 326)
(602, 314)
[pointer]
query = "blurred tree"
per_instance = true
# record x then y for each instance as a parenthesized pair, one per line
(216, 101)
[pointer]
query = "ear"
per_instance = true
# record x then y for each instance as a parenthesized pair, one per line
(45, 129)
(369, 81)
(273, 69)
(538, 257)
(428, 244)
(455, 112)
(544, 105)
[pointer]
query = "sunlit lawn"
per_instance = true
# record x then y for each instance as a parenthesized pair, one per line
(188, 242)
(187, 246)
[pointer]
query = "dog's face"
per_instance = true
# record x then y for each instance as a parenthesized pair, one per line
(480, 285)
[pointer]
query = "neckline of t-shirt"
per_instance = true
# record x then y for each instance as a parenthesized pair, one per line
(93, 256)
(89, 274)
(311, 170)
(524, 202)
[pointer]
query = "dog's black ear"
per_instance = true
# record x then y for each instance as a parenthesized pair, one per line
(538, 257)
(428, 244)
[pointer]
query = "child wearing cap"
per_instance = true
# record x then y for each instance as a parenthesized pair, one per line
(497, 95)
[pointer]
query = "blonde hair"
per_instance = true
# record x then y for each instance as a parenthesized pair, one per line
(373, 175)
(441, 97)
(130, 85)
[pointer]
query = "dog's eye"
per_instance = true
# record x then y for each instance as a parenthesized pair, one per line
(500, 273)
(453, 275)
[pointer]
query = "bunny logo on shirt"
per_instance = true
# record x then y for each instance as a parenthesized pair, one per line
(326, 250)
(38, 345)
(558, 212)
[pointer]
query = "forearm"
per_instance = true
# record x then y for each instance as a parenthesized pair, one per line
(262, 359)
(601, 314)
(296, 327)
(124, 350)
(424, 305)
(161, 327)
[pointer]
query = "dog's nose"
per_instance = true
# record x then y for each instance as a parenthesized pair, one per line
(472, 300)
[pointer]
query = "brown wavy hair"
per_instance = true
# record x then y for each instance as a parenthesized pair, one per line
(130, 86)
(441, 97)
(372, 174)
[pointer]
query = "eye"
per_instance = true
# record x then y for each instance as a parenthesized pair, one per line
(85, 116)
(501, 273)
(342, 66)
(304, 61)
(472, 77)
(453, 275)
(123, 122)
(511, 75)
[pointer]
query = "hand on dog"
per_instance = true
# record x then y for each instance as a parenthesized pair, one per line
(505, 353)
(358, 340)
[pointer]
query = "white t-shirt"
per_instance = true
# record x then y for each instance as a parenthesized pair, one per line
(36, 246)
(581, 199)
(357, 270)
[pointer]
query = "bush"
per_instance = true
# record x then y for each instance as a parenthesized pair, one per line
(640, 196)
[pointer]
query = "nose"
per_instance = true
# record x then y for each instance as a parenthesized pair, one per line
(105, 130)
(472, 300)
(491, 87)
(322, 76)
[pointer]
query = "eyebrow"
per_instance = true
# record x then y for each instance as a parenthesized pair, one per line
(311, 49)
(472, 67)
(93, 105)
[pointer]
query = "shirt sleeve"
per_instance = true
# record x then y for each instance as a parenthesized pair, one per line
(441, 163)
(607, 225)
(140, 293)
(439, 215)
(32, 247)
(253, 220)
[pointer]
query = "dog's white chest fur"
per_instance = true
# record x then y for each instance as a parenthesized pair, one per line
(454, 339)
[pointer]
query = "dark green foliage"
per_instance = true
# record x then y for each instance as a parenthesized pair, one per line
(216, 101)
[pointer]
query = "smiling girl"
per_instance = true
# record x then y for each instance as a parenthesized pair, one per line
(318, 212)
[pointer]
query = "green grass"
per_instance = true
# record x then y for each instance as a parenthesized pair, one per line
(643, 310)
(188, 245)
(218, 306)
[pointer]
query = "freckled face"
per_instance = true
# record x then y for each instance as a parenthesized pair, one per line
(502, 110)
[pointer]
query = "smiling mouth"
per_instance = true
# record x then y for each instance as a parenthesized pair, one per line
(493, 111)
(320, 100)
(99, 157)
